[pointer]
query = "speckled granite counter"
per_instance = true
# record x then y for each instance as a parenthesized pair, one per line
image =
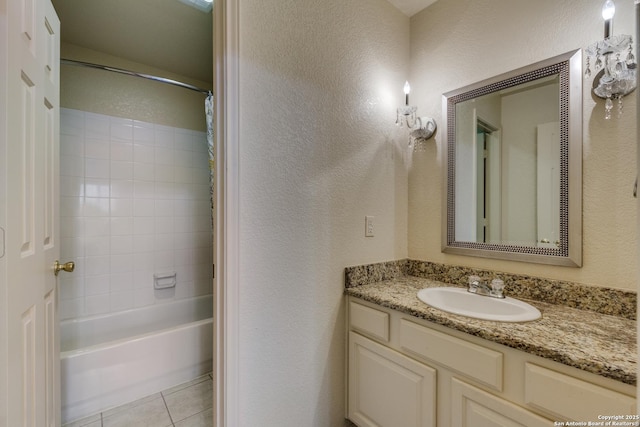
(594, 342)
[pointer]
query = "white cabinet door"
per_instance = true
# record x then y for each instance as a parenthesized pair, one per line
(388, 389)
(472, 407)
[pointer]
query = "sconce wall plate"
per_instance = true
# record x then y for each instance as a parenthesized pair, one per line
(426, 128)
(601, 90)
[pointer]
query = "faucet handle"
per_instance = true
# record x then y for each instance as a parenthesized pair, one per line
(474, 280)
(497, 286)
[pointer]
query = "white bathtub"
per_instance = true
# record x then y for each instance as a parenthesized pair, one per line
(113, 359)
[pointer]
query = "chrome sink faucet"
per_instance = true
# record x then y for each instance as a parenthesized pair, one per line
(477, 286)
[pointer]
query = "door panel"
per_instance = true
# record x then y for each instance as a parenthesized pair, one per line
(388, 389)
(472, 407)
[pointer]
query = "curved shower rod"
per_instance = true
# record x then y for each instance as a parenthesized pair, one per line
(133, 73)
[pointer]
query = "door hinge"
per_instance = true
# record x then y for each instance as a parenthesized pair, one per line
(1, 242)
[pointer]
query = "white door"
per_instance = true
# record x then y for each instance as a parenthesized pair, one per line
(548, 185)
(488, 183)
(494, 186)
(30, 167)
(481, 186)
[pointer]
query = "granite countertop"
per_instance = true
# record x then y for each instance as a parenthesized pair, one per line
(598, 343)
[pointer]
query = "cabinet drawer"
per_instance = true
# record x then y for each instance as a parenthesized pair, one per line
(567, 397)
(471, 407)
(369, 320)
(478, 363)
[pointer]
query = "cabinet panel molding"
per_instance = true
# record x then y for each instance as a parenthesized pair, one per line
(472, 407)
(571, 398)
(387, 389)
(369, 321)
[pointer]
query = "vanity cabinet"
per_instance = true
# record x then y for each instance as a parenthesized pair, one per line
(405, 371)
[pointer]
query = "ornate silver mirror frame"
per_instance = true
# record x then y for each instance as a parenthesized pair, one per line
(567, 250)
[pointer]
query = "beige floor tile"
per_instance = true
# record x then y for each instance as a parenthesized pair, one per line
(189, 401)
(92, 421)
(187, 384)
(91, 424)
(130, 405)
(202, 419)
(151, 413)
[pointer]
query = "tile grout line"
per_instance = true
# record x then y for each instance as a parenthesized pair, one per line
(203, 378)
(167, 407)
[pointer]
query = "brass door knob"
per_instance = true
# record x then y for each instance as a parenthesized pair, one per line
(544, 241)
(67, 266)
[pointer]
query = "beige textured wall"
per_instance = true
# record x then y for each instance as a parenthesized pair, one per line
(458, 42)
(125, 96)
(319, 85)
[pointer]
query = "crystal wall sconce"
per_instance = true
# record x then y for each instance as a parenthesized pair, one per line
(422, 128)
(614, 64)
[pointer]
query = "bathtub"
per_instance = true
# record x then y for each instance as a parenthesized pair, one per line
(116, 358)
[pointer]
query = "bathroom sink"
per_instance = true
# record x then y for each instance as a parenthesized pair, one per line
(459, 301)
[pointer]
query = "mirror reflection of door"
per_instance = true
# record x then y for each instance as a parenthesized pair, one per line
(492, 199)
(488, 181)
(548, 184)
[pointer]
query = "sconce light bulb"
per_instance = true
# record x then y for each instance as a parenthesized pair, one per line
(608, 10)
(407, 89)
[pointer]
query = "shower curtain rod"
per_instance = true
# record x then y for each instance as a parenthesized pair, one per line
(133, 73)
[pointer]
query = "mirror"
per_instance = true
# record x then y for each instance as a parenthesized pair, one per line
(513, 176)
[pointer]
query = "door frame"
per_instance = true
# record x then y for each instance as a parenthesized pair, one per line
(226, 319)
(4, 52)
(637, 21)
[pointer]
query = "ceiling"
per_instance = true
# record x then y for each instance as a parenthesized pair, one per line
(411, 7)
(165, 34)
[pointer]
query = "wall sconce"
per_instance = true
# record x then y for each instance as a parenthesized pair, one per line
(422, 128)
(617, 76)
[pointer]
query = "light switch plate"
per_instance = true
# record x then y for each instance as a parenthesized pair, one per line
(369, 230)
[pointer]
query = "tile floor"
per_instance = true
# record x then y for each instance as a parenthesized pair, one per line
(185, 405)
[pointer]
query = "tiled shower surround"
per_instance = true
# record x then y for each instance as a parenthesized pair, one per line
(134, 203)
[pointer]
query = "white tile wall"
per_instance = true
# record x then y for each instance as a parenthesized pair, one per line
(134, 202)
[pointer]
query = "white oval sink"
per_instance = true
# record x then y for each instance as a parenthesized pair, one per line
(459, 301)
